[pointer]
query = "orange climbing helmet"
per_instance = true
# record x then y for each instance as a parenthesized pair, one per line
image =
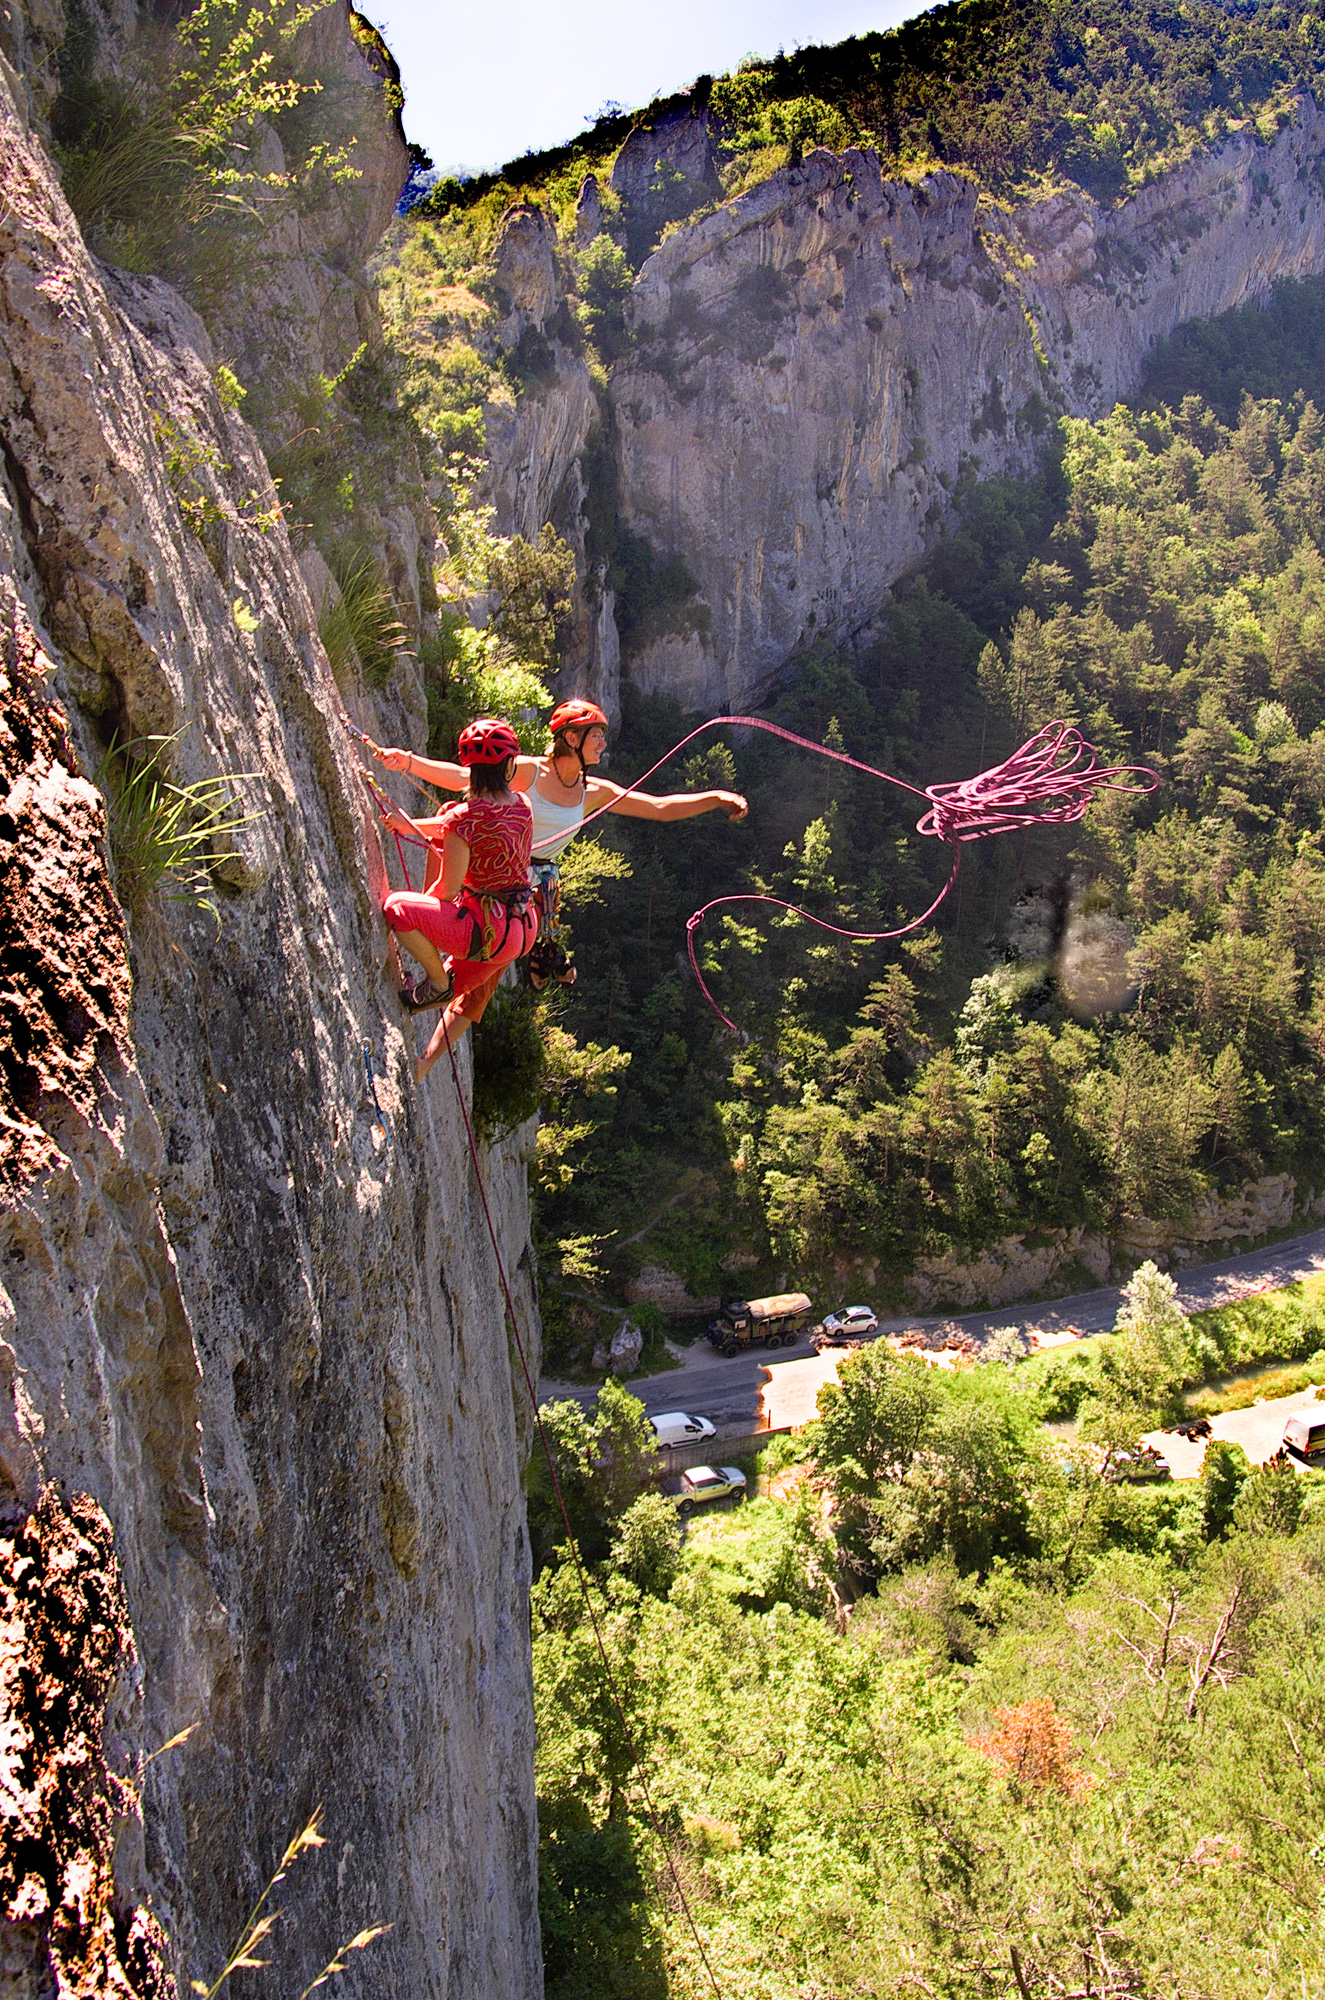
(577, 714)
(488, 741)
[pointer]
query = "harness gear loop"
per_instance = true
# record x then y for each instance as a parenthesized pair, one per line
(480, 905)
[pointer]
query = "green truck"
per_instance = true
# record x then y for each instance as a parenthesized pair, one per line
(774, 1322)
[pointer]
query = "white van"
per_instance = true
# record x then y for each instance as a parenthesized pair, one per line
(1304, 1436)
(671, 1427)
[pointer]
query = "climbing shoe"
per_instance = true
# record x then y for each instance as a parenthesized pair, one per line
(418, 995)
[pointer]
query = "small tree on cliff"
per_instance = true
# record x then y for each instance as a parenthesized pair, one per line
(1142, 1368)
(603, 1460)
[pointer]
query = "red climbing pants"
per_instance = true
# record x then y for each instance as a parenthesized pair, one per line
(450, 928)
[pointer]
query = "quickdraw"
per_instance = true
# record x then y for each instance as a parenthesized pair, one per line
(372, 1087)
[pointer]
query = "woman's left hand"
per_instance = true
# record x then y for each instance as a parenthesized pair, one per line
(733, 804)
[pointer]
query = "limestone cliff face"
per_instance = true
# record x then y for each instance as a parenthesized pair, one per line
(815, 362)
(265, 1337)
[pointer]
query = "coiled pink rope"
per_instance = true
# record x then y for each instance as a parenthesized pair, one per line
(1050, 781)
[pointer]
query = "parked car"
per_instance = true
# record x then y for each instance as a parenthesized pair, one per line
(847, 1327)
(704, 1483)
(672, 1427)
(778, 1321)
(1305, 1438)
(1143, 1463)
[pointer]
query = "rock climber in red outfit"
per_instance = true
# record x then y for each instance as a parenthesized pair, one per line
(476, 917)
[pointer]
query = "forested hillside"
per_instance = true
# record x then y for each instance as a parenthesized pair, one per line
(1162, 585)
(1064, 1741)
(1026, 97)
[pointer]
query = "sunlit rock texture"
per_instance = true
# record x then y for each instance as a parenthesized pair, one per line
(258, 1332)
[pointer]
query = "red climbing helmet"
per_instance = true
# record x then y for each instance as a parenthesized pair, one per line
(577, 714)
(488, 741)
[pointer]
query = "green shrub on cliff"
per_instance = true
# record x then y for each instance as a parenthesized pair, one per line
(166, 839)
(154, 163)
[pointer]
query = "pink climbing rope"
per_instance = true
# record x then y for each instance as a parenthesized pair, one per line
(1049, 781)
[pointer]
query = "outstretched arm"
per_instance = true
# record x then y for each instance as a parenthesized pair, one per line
(449, 777)
(678, 805)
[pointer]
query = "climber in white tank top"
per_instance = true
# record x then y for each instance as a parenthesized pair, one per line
(562, 787)
(555, 826)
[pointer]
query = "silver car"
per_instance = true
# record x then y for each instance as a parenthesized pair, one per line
(846, 1326)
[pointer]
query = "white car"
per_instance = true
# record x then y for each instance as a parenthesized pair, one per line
(703, 1483)
(672, 1427)
(850, 1323)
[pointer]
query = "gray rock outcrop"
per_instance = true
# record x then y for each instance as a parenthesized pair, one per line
(262, 1333)
(523, 265)
(672, 152)
(627, 1346)
(588, 212)
(816, 363)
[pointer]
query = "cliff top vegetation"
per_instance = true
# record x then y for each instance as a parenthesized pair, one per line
(1023, 95)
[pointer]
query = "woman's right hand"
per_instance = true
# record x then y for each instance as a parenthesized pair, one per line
(395, 760)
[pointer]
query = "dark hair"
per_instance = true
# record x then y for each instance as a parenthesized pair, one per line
(489, 778)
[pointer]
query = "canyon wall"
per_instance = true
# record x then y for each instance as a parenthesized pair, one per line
(814, 365)
(259, 1332)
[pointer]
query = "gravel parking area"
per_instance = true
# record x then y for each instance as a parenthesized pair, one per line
(1259, 1430)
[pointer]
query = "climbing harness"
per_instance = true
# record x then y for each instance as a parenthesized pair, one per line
(480, 906)
(549, 958)
(1049, 781)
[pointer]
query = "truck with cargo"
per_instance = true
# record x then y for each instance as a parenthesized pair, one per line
(778, 1321)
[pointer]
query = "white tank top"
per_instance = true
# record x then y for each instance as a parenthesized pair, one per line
(557, 825)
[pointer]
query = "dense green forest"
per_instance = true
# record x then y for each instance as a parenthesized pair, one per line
(949, 1709)
(1066, 1739)
(1025, 96)
(1162, 585)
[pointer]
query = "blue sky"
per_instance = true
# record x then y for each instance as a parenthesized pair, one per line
(484, 83)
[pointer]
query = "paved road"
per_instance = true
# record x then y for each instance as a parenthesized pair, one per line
(727, 1392)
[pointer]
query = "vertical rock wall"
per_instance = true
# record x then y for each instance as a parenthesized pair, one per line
(815, 364)
(264, 1337)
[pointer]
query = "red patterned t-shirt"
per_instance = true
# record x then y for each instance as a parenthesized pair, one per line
(500, 833)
